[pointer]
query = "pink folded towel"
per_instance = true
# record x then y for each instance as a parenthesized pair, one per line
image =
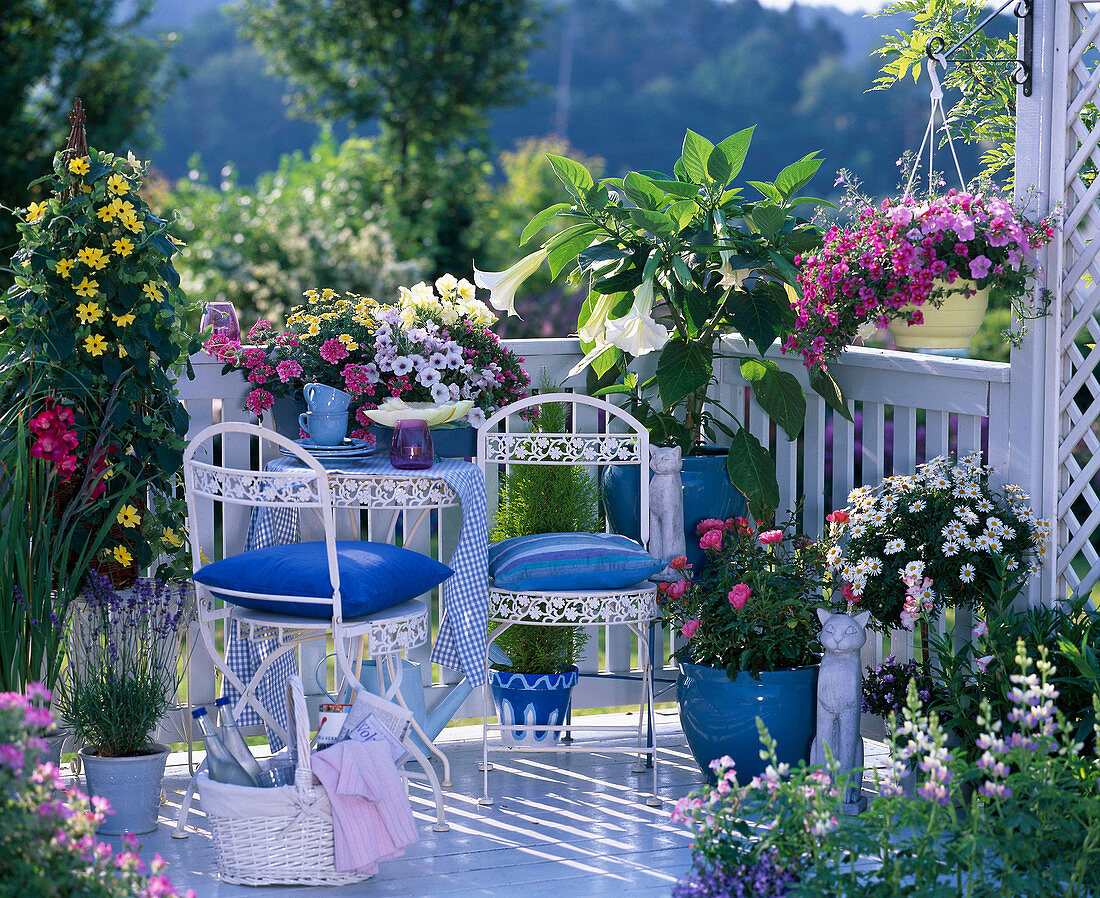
(371, 815)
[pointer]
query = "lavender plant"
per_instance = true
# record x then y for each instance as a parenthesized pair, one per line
(122, 672)
(885, 687)
(47, 844)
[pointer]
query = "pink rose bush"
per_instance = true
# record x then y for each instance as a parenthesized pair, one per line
(751, 607)
(429, 345)
(903, 253)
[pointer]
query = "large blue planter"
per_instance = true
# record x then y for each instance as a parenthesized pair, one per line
(718, 715)
(708, 493)
(531, 700)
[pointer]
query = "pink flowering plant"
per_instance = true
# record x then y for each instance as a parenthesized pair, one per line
(894, 259)
(47, 832)
(434, 345)
(918, 543)
(752, 607)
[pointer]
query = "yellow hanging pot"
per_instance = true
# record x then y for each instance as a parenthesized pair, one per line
(951, 326)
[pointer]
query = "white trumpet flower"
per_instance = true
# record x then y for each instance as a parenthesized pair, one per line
(594, 327)
(636, 332)
(731, 277)
(503, 284)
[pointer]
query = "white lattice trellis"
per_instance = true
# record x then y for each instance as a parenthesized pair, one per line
(1075, 278)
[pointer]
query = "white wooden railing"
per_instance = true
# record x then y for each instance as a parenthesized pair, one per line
(908, 408)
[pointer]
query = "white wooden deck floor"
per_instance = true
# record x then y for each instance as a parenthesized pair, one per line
(563, 824)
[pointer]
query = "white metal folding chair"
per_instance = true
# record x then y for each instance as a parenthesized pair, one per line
(384, 634)
(633, 607)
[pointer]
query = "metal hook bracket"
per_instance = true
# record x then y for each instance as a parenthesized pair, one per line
(1021, 65)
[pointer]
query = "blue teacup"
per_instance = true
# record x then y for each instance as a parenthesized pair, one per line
(323, 429)
(325, 400)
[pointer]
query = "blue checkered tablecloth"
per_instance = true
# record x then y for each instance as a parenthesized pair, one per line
(461, 641)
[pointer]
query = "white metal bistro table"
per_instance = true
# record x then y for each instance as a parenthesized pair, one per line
(634, 608)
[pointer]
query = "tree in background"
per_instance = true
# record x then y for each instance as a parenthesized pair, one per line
(426, 71)
(318, 221)
(54, 50)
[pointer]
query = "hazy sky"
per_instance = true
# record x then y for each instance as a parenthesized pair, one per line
(846, 5)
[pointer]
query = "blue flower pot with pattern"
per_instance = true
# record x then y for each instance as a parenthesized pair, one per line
(718, 715)
(531, 700)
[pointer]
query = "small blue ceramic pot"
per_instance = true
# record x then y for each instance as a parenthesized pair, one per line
(718, 715)
(531, 700)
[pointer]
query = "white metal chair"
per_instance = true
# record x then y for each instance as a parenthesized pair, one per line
(634, 607)
(384, 634)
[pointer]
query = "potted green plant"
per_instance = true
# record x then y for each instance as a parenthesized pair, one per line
(121, 678)
(675, 262)
(535, 687)
(95, 319)
(751, 643)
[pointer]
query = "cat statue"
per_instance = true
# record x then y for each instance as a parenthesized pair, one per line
(666, 509)
(839, 691)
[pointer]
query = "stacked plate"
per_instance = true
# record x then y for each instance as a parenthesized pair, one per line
(349, 449)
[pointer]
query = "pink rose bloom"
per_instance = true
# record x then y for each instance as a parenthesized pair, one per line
(838, 517)
(850, 595)
(677, 589)
(771, 536)
(709, 524)
(678, 564)
(739, 595)
(288, 370)
(689, 628)
(712, 539)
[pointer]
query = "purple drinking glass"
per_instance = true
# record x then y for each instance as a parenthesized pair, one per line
(223, 317)
(411, 447)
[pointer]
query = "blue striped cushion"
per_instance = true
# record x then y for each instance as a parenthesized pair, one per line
(570, 561)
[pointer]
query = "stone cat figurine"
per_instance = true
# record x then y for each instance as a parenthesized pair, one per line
(839, 692)
(666, 509)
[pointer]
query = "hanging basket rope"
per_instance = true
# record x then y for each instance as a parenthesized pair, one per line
(936, 97)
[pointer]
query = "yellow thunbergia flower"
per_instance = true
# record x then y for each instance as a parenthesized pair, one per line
(125, 208)
(80, 166)
(118, 184)
(116, 206)
(87, 288)
(93, 257)
(123, 320)
(172, 537)
(152, 291)
(89, 312)
(128, 516)
(64, 267)
(202, 557)
(123, 246)
(122, 556)
(105, 213)
(122, 353)
(132, 222)
(95, 345)
(35, 211)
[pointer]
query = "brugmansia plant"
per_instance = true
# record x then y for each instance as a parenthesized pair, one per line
(674, 263)
(95, 322)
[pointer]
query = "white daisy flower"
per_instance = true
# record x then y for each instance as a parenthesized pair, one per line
(914, 569)
(834, 556)
(995, 545)
(855, 531)
(918, 506)
(1012, 564)
(894, 546)
(966, 573)
(985, 505)
(873, 566)
(950, 548)
(983, 543)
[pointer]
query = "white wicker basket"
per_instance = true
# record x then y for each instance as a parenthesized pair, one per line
(279, 836)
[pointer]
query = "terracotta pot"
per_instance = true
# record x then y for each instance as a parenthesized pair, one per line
(951, 326)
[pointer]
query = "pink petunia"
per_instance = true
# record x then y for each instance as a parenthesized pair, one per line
(979, 266)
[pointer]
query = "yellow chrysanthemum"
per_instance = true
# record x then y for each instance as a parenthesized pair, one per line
(314, 330)
(93, 257)
(122, 556)
(64, 267)
(87, 288)
(105, 213)
(80, 166)
(89, 312)
(123, 320)
(35, 211)
(128, 516)
(123, 246)
(152, 291)
(118, 184)
(95, 345)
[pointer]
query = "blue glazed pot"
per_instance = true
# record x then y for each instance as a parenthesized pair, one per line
(131, 785)
(708, 493)
(718, 715)
(531, 700)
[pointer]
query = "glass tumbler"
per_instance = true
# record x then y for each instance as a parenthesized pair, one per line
(411, 447)
(223, 317)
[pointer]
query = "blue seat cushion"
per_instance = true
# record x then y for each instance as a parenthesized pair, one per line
(570, 562)
(373, 576)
